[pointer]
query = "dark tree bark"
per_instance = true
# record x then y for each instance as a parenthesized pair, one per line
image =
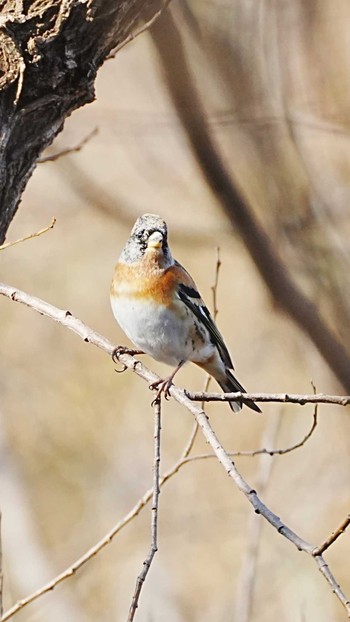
(50, 51)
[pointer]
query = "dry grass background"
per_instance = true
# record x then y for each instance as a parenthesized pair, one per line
(76, 437)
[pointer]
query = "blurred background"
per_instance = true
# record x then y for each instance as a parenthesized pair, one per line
(273, 79)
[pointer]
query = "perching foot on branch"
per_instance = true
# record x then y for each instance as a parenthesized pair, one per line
(163, 386)
(123, 350)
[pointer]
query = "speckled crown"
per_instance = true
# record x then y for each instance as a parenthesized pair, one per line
(137, 242)
(147, 223)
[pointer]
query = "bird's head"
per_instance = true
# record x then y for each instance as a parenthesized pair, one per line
(149, 236)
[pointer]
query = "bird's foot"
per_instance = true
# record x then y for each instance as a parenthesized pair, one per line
(163, 386)
(124, 350)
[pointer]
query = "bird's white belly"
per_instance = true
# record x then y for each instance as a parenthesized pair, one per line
(155, 329)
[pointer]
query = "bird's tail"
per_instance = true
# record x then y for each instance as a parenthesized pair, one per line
(230, 384)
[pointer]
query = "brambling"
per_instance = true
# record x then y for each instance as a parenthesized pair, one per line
(158, 306)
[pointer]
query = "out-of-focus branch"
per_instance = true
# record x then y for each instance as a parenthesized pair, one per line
(90, 336)
(284, 291)
(64, 152)
(155, 501)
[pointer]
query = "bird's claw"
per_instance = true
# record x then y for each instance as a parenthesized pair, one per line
(124, 350)
(163, 386)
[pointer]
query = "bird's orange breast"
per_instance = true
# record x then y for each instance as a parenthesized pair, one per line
(144, 281)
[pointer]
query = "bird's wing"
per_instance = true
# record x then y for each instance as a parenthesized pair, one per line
(189, 294)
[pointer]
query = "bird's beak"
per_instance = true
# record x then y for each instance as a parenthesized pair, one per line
(155, 240)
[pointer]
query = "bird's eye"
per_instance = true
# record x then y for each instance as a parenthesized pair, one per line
(142, 237)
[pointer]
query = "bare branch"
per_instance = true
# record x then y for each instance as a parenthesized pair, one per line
(90, 336)
(333, 537)
(287, 450)
(64, 152)
(265, 450)
(29, 237)
(189, 445)
(253, 498)
(154, 523)
(291, 398)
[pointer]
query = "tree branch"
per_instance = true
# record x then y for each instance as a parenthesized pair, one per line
(155, 501)
(64, 152)
(333, 537)
(291, 398)
(88, 335)
(29, 237)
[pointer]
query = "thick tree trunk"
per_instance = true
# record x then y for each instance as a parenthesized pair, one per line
(50, 51)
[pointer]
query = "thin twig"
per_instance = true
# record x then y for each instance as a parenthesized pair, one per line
(291, 398)
(29, 237)
(258, 452)
(245, 595)
(139, 32)
(251, 453)
(155, 503)
(64, 152)
(90, 336)
(333, 537)
(189, 445)
(287, 450)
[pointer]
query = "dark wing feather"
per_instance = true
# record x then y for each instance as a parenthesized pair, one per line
(190, 296)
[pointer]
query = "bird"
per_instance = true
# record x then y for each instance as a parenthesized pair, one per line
(157, 304)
